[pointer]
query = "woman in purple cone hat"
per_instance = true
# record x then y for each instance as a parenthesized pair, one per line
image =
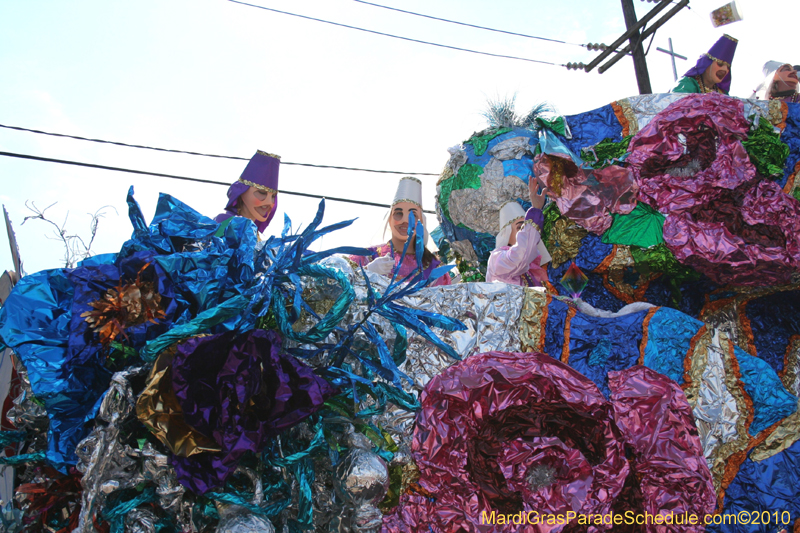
(712, 73)
(255, 194)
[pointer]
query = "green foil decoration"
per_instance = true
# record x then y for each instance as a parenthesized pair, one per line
(468, 177)
(602, 154)
(481, 142)
(766, 150)
(644, 227)
(659, 259)
(557, 124)
(551, 214)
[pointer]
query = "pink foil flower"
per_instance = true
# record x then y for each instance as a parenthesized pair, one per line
(524, 436)
(721, 220)
(587, 196)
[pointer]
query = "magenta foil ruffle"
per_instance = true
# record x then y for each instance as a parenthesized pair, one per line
(587, 196)
(509, 433)
(690, 152)
(721, 218)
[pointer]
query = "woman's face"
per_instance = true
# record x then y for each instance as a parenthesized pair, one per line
(515, 227)
(716, 72)
(785, 79)
(399, 219)
(258, 204)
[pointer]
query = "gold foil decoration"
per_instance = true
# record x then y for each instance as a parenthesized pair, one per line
(786, 434)
(410, 475)
(158, 409)
(777, 113)
(627, 110)
(564, 241)
(613, 270)
(532, 320)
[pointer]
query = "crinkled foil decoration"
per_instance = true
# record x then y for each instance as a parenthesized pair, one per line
(754, 244)
(766, 150)
(691, 151)
(362, 479)
(457, 159)
(513, 148)
(587, 196)
(714, 392)
(235, 519)
(239, 390)
(605, 152)
(465, 250)
(485, 308)
(642, 227)
(109, 465)
(622, 279)
(564, 241)
(106, 463)
(26, 414)
(658, 425)
(640, 110)
(691, 165)
(480, 141)
(514, 432)
(788, 432)
(791, 368)
(159, 410)
(533, 319)
(478, 208)
(468, 177)
(140, 521)
(771, 110)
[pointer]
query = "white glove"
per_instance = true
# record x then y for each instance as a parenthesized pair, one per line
(382, 265)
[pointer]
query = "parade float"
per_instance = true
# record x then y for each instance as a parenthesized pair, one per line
(198, 383)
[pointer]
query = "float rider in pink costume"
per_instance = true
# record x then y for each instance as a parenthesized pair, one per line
(520, 254)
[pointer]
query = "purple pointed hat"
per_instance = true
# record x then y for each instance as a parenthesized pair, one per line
(261, 172)
(722, 50)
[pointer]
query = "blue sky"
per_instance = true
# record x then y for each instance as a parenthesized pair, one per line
(213, 76)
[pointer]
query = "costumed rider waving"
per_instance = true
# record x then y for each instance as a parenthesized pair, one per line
(520, 253)
(385, 258)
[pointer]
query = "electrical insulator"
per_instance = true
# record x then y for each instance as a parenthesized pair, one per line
(575, 66)
(596, 46)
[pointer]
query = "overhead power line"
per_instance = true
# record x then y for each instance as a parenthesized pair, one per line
(185, 178)
(470, 25)
(397, 36)
(18, 128)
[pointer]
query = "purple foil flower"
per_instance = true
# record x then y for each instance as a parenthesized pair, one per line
(240, 391)
(505, 435)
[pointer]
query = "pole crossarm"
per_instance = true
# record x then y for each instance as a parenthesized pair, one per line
(626, 36)
(645, 34)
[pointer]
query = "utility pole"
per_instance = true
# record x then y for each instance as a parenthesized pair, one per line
(639, 61)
